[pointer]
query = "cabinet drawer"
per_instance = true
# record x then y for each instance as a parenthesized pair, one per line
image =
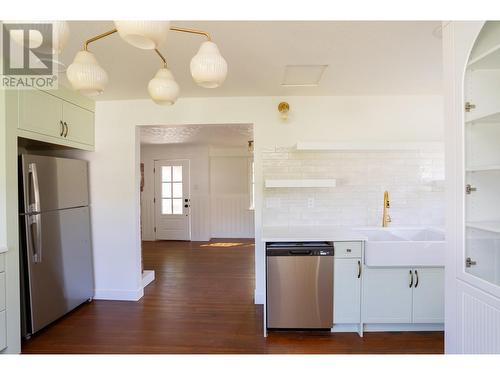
(2, 262)
(3, 330)
(347, 249)
(2, 291)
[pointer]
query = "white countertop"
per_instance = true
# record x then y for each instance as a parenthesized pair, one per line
(310, 233)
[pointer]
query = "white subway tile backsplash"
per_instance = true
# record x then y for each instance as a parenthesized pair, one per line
(415, 181)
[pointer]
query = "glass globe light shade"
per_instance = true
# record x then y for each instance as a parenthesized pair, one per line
(208, 67)
(162, 88)
(86, 75)
(143, 34)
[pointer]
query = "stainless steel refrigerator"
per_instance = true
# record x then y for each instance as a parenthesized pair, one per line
(56, 252)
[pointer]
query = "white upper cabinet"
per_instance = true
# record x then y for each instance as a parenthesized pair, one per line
(481, 172)
(58, 117)
(79, 123)
(40, 113)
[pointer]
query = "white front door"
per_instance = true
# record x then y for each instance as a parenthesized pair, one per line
(172, 201)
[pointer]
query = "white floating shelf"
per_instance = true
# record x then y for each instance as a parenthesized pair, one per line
(489, 226)
(485, 119)
(368, 146)
(487, 60)
(301, 183)
(483, 168)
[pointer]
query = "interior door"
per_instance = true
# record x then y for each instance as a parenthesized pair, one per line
(172, 201)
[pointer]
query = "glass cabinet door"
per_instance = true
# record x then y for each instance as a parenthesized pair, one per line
(482, 157)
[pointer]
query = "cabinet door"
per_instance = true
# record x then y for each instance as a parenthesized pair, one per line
(387, 295)
(347, 291)
(40, 112)
(80, 123)
(428, 295)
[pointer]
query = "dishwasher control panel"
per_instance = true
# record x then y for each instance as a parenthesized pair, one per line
(319, 248)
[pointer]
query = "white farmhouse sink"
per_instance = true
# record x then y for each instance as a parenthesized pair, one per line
(403, 246)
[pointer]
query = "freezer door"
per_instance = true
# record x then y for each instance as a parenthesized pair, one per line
(51, 183)
(299, 291)
(59, 264)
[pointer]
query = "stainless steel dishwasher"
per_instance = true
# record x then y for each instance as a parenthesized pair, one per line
(299, 285)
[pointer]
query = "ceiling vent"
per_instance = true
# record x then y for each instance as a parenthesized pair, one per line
(303, 75)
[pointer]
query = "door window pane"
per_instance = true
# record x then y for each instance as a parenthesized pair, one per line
(166, 190)
(177, 173)
(166, 173)
(177, 189)
(177, 206)
(166, 206)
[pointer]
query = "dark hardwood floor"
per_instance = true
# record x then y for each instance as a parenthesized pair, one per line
(202, 302)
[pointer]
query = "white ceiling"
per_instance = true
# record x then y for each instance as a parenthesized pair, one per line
(363, 57)
(217, 135)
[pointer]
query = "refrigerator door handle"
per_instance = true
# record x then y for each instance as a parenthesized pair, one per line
(33, 190)
(35, 237)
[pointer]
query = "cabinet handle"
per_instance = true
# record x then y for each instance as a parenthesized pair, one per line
(359, 269)
(62, 128)
(411, 279)
(416, 282)
(66, 126)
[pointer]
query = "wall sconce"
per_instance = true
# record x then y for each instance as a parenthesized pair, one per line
(250, 146)
(283, 109)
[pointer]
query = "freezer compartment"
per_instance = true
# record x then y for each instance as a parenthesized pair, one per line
(57, 265)
(300, 288)
(50, 183)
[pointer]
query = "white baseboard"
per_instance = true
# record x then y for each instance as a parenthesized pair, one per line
(388, 327)
(394, 327)
(119, 295)
(148, 276)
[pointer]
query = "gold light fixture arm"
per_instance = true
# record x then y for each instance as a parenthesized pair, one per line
(97, 37)
(162, 58)
(192, 31)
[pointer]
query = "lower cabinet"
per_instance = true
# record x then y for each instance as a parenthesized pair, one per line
(387, 297)
(403, 295)
(347, 291)
(428, 295)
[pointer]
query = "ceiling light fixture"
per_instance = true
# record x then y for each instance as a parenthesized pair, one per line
(143, 34)
(208, 67)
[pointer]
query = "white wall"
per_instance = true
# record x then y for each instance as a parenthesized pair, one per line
(219, 190)
(115, 174)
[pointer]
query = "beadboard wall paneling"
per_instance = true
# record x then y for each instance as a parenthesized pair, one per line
(231, 217)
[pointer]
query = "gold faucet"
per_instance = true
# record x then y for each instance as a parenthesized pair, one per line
(386, 219)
